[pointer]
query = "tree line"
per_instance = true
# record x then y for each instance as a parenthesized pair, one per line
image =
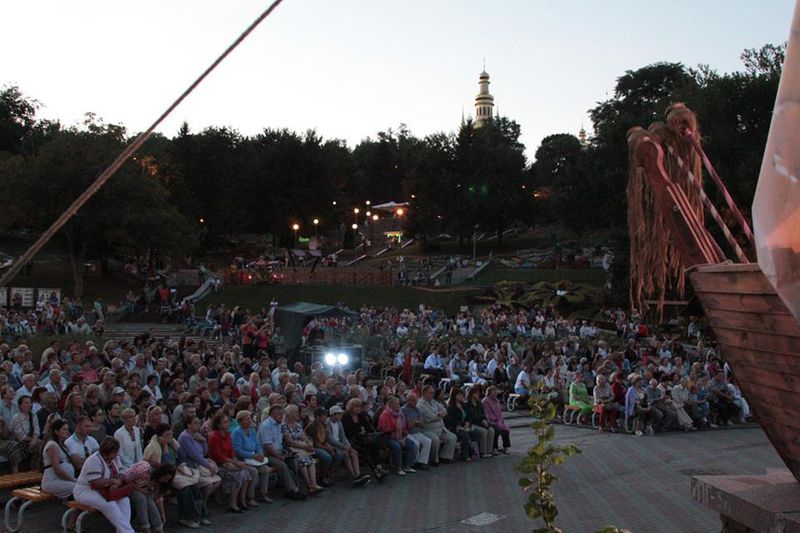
(195, 190)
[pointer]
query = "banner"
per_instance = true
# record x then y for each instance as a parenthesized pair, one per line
(48, 295)
(21, 296)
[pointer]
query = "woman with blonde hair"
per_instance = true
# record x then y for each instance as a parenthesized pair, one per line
(129, 437)
(300, 446)
(92, 399)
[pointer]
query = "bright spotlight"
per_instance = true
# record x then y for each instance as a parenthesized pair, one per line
(330, 359)
(342, 359)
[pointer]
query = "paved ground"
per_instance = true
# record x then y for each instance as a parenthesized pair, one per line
(638, 483)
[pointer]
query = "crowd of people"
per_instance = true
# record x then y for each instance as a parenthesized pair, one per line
(129, 427)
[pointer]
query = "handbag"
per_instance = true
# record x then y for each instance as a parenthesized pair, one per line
(117, 493)
(112, 494)
(185, 476)
(206, 477)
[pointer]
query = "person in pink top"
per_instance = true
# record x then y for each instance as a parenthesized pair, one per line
(494, 414)
(404, 450)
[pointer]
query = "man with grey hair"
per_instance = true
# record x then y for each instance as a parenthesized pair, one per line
(415, 424)
(443, 442)
(56, 385)
(28, 384)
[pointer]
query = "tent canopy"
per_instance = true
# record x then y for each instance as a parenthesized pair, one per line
(293, 317)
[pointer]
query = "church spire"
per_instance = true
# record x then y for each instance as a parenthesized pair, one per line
(582, 136)
(484, 102)
(463, 122)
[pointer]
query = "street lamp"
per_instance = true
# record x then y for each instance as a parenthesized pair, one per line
(356, 211)
(316, 223)
(355, 234)
(375, 218)
(367, 202)
(400, 214)
(333, 202)
(295, 227)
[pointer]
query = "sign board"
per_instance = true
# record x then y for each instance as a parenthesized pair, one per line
(44, 295)
(22, 296)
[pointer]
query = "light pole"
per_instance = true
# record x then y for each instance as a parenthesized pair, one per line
(474, 243)
(400, 214)
(316, 223)
(295, 227)
(355, 229)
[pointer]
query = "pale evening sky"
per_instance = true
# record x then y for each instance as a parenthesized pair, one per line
(350, 68)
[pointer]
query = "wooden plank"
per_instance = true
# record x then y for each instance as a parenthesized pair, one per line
(792, 334)
(785, 382)
(785, 416)
(22, 478)
(780, 364)
(765, 342)
(731, 283)
(757, 322)
(751, 303)
(728, 267)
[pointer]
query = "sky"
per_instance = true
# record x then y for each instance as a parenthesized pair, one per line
(352, 68)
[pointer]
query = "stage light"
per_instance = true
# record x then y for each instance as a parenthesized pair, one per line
(342, 359)
(330, 359)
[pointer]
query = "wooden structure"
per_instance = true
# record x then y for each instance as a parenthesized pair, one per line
(761, 341)
(757, 334)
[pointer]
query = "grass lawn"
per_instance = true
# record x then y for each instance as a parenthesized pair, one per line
(493, 274)
(257, 296)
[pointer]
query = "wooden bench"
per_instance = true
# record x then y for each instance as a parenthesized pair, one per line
(13, 481)
(27, 496)
(571, 414)
(75, 507)
(512, 401)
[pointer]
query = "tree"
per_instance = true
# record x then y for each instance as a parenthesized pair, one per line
(562, 179)
(131, 213)
(17, 119)
(640, 97)
(431, 187)
(490, 164)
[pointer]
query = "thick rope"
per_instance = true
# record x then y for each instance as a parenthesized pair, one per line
(728, 198)
(125, 155)
(712, 211)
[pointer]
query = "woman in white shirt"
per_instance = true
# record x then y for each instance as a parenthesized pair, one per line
(129, 437)
(102, 469)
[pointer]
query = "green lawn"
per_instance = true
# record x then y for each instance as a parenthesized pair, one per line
(257, 296)
(493, 274)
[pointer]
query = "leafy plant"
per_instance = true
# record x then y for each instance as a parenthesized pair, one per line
(538, 481)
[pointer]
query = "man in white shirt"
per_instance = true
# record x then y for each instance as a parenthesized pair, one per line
(56, 384)
(523, 384)
(434, 365)
(491, 366)
(28, 384)
(80, 444)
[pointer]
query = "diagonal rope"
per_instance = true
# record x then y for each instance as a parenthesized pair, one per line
(712, 210)
(125, 155)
